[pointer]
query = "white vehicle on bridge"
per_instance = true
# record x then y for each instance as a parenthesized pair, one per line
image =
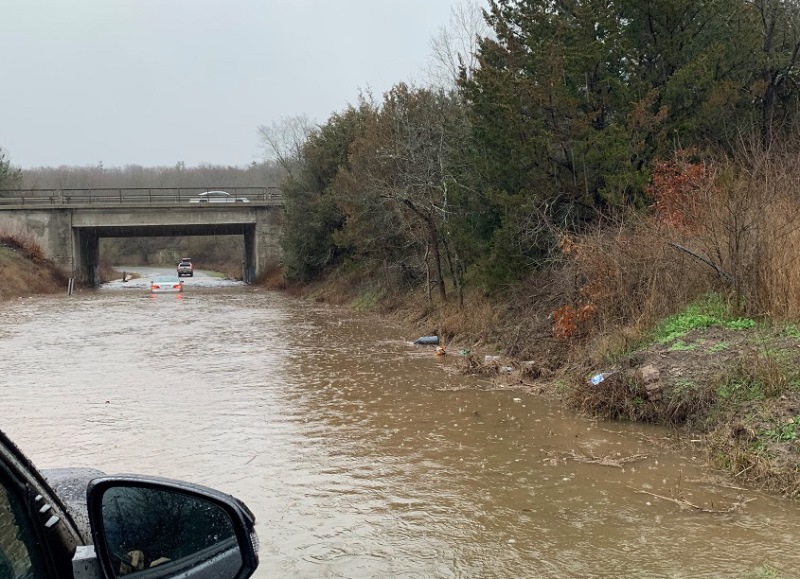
(218, 197)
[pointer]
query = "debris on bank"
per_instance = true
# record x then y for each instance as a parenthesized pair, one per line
(497, 366)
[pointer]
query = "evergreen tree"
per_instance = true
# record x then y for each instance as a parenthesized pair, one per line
(10, 176)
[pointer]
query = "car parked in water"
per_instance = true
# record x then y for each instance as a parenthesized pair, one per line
(218, 197)
(83, 524)
(166, 283)
(185, 268)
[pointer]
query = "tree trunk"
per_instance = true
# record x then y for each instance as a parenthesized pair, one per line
(433, 239)
(428, 272)
(455, 270)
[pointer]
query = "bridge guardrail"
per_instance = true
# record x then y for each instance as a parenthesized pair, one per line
(131, 195)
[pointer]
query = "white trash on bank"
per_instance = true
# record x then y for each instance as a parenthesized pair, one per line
(597, 378)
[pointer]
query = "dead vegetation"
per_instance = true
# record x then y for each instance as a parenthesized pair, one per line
(684, 503)
(726, 230)
(25, 269)
(22, 242)
(617, 462)
(23, 277)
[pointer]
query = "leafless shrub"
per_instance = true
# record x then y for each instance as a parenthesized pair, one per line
(25, 270)
(23, 241)
(743, 219)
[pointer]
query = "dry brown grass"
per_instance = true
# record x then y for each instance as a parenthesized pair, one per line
(478, 323)
(272, 278)
(23, 277)
(613, 285)
(747, 222)
(25, 269)
(23, 241)
(740, 237)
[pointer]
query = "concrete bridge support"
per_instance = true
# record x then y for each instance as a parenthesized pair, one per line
(70, 236)
(86, 252)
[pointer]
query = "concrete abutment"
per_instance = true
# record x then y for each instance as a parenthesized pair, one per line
(70, 236)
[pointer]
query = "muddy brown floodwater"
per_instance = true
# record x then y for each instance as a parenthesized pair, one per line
(362, 455)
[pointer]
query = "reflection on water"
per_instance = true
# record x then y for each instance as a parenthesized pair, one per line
(361, 455)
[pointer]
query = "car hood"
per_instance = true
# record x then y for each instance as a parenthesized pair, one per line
(70, 485)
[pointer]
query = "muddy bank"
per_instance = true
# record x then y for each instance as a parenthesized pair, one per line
(733, 384)
(737, 390)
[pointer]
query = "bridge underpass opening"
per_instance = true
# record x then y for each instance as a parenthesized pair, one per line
(229, 248)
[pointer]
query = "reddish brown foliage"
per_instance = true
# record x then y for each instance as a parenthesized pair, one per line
(570, 321)
(24, 243)
(679, 187)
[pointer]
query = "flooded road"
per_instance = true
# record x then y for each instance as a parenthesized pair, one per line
(362, 455)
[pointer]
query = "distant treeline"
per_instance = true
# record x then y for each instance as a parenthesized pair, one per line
(97, 176)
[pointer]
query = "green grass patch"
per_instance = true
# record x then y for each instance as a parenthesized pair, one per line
(783, 432)
(791, 331)
(709, 311)
(682, 385)
(721, 347)
(740, 389)
(764, 572)
(681, 346)
(740, 324)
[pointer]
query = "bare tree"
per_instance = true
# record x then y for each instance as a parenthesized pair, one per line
(455, 46)
(283, 140)
(398, 186)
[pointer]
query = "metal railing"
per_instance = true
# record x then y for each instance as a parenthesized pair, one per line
(134, 195)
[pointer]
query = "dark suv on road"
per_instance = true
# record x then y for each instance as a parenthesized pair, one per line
(185, 268)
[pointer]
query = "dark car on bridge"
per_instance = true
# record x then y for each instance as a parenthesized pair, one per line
(82, 524)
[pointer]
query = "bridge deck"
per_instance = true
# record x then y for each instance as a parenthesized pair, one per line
(168, 196)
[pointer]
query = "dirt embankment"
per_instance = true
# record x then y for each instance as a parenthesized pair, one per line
(737, 389)
(23, 276)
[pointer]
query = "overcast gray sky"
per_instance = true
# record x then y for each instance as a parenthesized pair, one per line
(155, 82)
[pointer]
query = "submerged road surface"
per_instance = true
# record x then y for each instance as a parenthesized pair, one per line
(362, 455)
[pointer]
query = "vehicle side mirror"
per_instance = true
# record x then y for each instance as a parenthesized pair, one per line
(150, 527)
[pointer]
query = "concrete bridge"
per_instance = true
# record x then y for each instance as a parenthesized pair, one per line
(69, 223)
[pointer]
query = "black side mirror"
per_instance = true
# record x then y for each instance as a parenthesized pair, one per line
(150, 527)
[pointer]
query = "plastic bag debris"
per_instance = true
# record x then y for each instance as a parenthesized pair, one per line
(597, 378)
